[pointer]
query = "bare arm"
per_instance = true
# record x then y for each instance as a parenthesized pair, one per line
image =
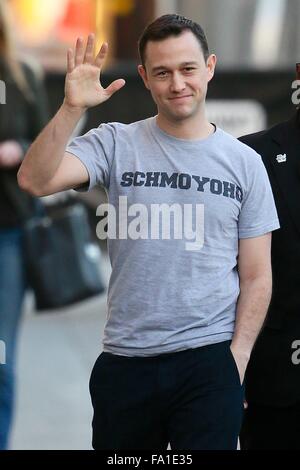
(254, 265)
(47, 168)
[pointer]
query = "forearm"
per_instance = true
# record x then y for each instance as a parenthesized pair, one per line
(252, 306)
(46, 152)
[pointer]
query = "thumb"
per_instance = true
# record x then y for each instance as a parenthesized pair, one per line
(114, 86)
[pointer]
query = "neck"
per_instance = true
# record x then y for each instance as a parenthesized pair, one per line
(196, 127)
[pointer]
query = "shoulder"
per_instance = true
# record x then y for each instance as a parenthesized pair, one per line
(255, 137)
(238, 148)
(120, 130)
(259, 140)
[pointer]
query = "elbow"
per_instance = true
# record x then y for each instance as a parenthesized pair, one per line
(26, 185)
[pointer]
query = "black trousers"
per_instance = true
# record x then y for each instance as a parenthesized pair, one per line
(271, 428)
(191, 399)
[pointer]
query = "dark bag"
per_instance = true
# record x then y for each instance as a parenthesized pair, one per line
(63, 261)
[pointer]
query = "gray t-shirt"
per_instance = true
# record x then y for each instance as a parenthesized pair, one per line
(174, 282)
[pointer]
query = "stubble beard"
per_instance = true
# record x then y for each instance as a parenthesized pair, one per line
(183, 115)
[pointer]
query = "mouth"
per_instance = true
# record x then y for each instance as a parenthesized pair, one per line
(179, 98)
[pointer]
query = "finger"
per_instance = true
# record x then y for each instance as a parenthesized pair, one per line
(101, 55)
(89, 51)
(114, 86)
(79, 51)
(70, 60)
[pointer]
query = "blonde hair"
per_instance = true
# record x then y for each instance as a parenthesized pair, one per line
(8, 50)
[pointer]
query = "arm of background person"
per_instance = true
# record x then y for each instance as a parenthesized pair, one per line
(38, 107)
(36, 114)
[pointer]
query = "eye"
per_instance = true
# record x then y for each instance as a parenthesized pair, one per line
(189, 69)
(163, 73)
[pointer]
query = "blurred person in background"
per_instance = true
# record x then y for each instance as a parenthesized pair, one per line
(22, 116)
(178, 334)
(272, 418)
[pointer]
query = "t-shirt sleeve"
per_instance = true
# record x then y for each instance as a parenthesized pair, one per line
(258, 212)
(95, 150)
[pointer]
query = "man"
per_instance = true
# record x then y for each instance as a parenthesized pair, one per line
(176, 342)
(273, 375)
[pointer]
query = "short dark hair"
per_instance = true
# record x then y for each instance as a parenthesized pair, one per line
(171, 25)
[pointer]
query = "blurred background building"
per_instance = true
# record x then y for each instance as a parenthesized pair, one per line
(245, 34)
(257, 43)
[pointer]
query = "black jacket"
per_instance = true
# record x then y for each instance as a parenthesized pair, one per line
(272, 378)
(21, 120)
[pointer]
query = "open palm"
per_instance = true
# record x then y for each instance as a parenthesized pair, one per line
(82, 87)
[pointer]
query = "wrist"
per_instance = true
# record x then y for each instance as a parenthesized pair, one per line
(240, 350)
(73, 111)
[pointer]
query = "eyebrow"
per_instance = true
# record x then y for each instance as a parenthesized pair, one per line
(163, 67)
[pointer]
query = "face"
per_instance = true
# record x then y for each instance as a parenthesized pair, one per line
(176, 74)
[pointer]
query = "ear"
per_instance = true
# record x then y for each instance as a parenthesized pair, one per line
(211, 65)
(143, 74)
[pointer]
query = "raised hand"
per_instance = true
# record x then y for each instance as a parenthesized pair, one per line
(82, 86)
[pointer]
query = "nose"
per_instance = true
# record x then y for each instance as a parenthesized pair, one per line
(177, 83)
